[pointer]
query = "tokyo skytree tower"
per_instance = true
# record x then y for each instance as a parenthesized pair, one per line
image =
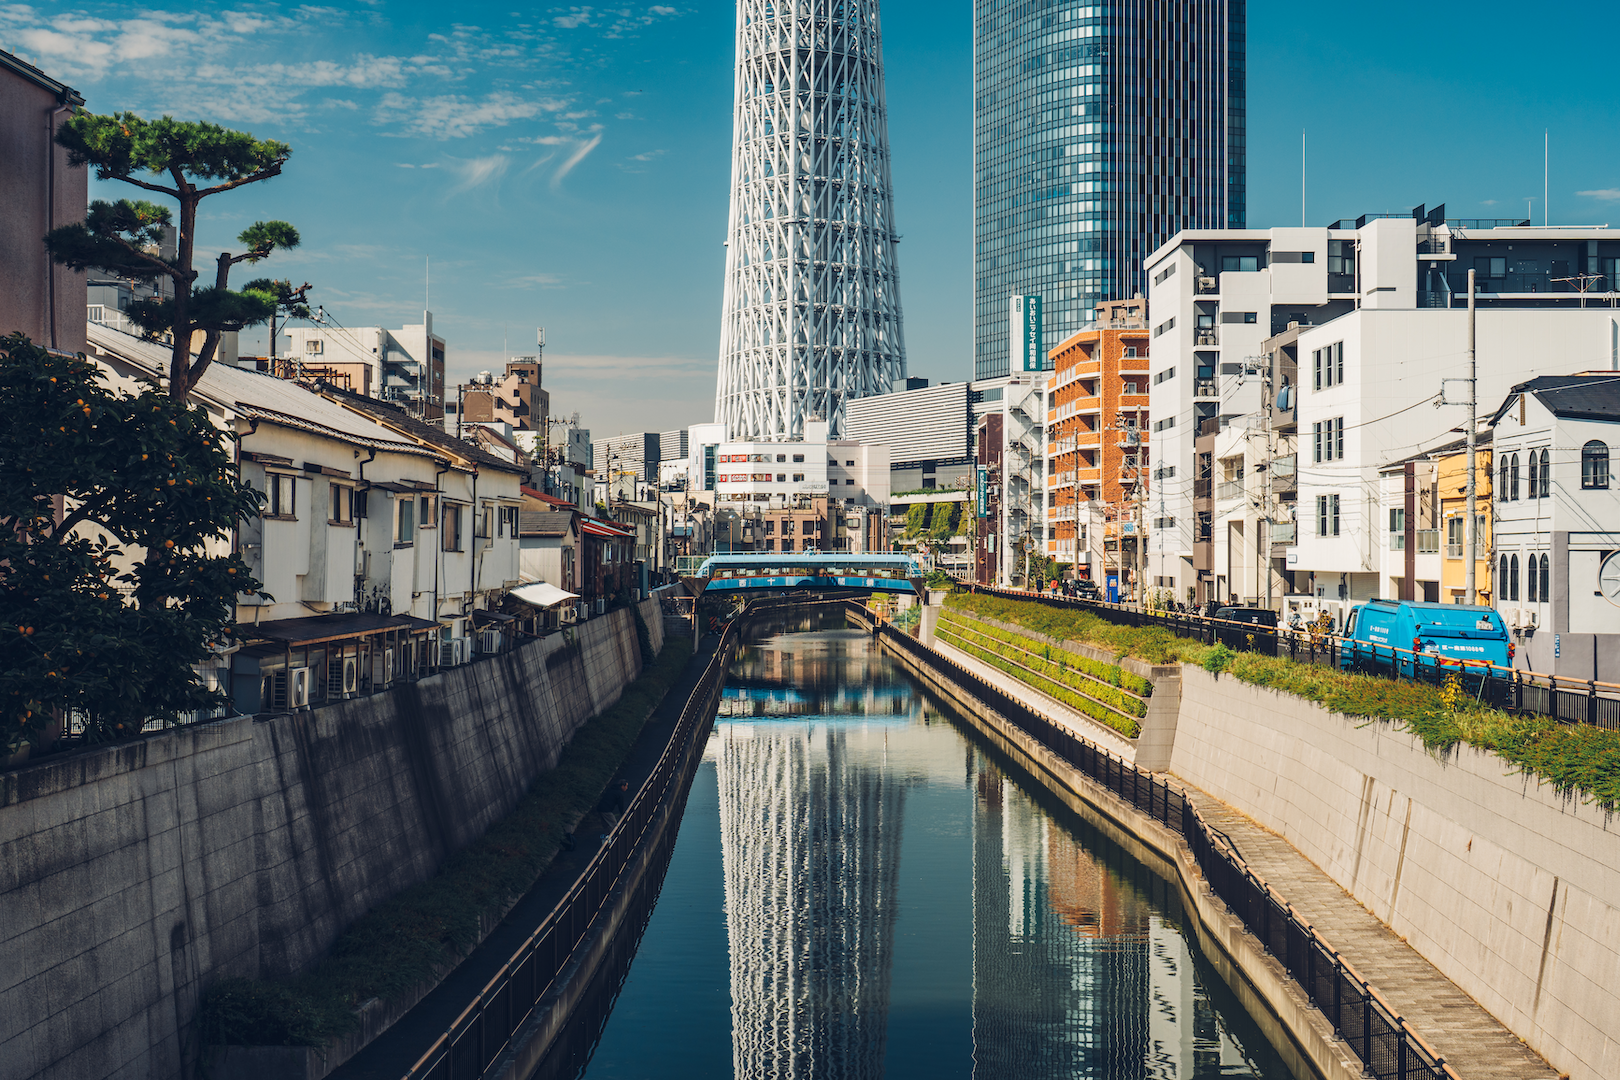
(812, 301)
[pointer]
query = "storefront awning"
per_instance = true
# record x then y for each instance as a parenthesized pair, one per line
(314, 629)
(542, 595)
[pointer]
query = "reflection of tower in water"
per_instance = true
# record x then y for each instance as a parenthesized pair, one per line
(810, 832)
(1060, 954)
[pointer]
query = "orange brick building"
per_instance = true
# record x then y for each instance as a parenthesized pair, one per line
(1097, 440)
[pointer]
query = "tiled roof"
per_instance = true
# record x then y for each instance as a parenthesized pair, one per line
(398, 419)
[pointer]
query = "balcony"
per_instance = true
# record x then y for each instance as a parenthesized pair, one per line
(1207, 286)
(1206, 335)
(1229, 489)
(1206, 388)
(1088, 440)
(1202, 489)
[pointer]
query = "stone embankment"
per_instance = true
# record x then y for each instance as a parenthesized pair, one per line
(133, 876)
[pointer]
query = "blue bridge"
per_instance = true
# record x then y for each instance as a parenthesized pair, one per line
(809, 571)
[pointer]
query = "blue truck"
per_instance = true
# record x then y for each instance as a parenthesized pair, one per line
(1421, 639)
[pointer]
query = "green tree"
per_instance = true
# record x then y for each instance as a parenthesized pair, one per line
(291, 302)
(198, 160)
(108, 593)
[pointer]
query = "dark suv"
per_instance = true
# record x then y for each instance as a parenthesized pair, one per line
(1086, 589)
(1236, 625)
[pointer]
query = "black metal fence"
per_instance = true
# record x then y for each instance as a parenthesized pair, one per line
(1388, 1047)
(486, 1026)
(1570, 701)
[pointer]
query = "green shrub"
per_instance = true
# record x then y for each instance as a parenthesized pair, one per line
(1155, 644)
(1218, 659)
(1112, 674)
(428, 927)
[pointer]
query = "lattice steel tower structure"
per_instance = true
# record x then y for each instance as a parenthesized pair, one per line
(812, 300)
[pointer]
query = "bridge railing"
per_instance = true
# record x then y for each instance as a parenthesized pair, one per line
(1388, 1047)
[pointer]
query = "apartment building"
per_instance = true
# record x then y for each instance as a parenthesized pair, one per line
(1333, 352)
(1557, 551)
(1097, 443)
(404, 367)
(516, 398)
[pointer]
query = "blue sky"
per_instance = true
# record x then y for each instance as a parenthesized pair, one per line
(566, 166)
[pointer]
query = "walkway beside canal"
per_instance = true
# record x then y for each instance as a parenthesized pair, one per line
(391, 1055)
(1473, 1041)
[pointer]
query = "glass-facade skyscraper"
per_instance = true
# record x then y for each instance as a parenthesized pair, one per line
(1100, 131)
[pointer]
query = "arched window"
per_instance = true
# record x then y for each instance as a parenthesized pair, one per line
(1545, 595)
(1513, 479)
(1530, 574)
(1546, 479)
(1513, 579)
(1502, 579)
(1595, 465)
(1502, 478)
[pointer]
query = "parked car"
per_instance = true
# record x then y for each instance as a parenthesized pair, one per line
(1247, 628)
(1421, 638)
(1086, 589)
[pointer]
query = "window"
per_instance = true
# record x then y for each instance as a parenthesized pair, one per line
(1130, 354)
(1328, 439)
(405, 530)
(1158, 279)
(770, 527)
(1502, 478)
(485, 522)
(1327, 515)
(1595, 465)
(312, 346)
(1490, 268)
(781, 457)
(1454, 537)
(1511, 585)
(1164, 376)
(428, 513)
(1328, 365)
(1307, 256)
(1167, 422)
(787, 545)
(1545, 595)
(1251, 317)
(850, 482)
(450, 538)
(770, 545)
(1164, 523)
(787, 527)
(781, 478)
(1530, 579)
(708, 468)
(1244, 264)
(1163, 328)
(798, 478)
(849, 464)
(1513, 479)
(1341, 257)
(798, 457)
(1397, 529)
(1164, 472)
(509, 521)
(341, 504)
(1130, 388)
(279, 494)
(1502, 577)
(1546, 479)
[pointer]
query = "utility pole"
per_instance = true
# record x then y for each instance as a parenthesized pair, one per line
(1470, 571)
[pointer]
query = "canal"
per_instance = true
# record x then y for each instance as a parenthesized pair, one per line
(862, 888)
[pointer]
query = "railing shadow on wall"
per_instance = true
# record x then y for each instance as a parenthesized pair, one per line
(1387, 1046)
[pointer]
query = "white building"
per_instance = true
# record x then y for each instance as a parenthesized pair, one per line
(1372, 316)
(926, 428)
(403, 366)
(1557, 550)
(777, 473)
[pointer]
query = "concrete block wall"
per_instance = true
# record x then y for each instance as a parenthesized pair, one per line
(1507, 888)
(134, 876)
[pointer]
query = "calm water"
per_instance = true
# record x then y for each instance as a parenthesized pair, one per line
(861, 890)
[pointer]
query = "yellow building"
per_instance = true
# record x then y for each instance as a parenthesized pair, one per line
(1451, 478)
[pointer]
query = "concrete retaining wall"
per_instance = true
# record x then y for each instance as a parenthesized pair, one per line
(1507, 888)
(134, 876)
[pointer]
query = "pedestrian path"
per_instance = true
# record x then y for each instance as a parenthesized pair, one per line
(1472, 1041)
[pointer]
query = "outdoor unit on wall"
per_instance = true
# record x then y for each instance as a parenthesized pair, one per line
(300, 688)
(600, 604)
(489, 641)
(382, 667)
(351, 674)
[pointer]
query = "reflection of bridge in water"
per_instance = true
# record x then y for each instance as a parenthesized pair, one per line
(809, 571)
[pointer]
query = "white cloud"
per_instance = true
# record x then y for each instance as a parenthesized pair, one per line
(476, 172)
(1601, 194)
(456, 116)
(574, 159)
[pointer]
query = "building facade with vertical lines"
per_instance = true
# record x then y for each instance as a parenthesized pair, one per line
(1100, 131)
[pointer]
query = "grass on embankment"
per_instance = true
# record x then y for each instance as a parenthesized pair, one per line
(430, 926)
(1575, 758)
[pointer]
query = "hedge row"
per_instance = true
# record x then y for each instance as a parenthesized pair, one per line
(430, 926)
(1081, 703)
(1111, 674)
(1155, 644)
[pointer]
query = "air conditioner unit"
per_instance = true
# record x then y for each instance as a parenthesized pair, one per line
(489, 641)
(300, 688)
(600, 605)
(351, 674)
(382, 667)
